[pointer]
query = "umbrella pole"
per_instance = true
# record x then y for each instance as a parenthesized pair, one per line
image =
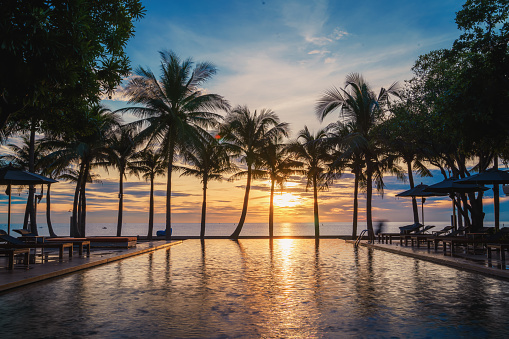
(9, 212)
(496, 205)
(422, 209)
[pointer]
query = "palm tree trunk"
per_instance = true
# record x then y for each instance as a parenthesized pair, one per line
(369, 196)
(48, 212)
(120, 203)
(203, 208)
(414, 200)
(315, 196)
(168, 190)
(83, 203)
(236, 233)
(355, 204)
(271, 210)
(73, 232)
(31, 190)
(151, 210)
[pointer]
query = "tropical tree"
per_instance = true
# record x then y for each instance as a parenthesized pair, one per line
(82, 149)
(209, 161)
(313, 150)
(150, 164)
(359, 104)
(175, 112)
(121, 153)
(277, 164)
(249, 132)
(27, 156)
(344, 156)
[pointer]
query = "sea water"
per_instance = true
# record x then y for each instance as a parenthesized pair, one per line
(257, 288)
(225, 229)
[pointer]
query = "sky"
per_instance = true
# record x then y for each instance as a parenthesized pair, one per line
(280, 55)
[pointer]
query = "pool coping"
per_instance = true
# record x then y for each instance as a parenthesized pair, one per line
(439, 258)
(54, 270)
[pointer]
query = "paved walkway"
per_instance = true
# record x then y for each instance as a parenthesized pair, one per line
(478, 263)
(51, 266)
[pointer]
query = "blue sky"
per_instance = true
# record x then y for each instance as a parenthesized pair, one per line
(280, 55)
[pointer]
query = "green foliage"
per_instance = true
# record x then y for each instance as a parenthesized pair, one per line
(61, 56)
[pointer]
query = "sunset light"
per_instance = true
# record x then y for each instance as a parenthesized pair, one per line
(287, 200)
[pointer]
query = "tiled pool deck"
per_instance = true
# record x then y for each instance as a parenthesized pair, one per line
(477, 263)
(53, 267)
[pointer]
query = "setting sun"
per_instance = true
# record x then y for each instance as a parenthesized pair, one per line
(286, 200)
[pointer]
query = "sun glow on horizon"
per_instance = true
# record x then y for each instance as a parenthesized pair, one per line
(286, 199)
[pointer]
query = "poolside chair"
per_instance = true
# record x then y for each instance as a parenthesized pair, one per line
(410, 228)
(12, 242)
(443, 231)
(81, 243)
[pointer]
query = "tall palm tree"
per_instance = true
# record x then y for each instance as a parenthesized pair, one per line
(174, 110)
(121, 153)
(277, 165)
(87, 146)
(248, 132)
(341, 136)
(27, 156)
(150, 164)
(313, 150)
(359, 104)
(209, 161)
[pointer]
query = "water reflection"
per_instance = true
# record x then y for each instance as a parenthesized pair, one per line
(261, 288)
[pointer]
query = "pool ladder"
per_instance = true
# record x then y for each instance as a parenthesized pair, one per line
(359, 238)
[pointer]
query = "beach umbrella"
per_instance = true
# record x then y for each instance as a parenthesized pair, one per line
(451, 186)
(10, 175)
(418, 191)
(492, 176)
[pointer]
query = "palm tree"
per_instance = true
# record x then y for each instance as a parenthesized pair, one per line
(344, 156)
(249, 132)
(150, 164)
(174, 109)
(121, 152)
(209, 161)
(28, 157)
(313, 150)
(277, 165)
(87, 146)
(359, 104)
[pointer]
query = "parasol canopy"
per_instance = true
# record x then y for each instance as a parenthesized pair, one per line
(419, 191)
(10, 175)
(451, 185)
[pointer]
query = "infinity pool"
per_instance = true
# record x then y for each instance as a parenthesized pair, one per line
(255, 288)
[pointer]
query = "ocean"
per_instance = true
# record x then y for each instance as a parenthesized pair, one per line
(225, 229)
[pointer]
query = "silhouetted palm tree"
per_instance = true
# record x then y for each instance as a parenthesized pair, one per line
(278, 166)
(21, 158)
(359, 104)
(150, 164)
(175, 111)
(209, 161)
(121, 153)
(87, 146)
(313, 150)
(248, 132)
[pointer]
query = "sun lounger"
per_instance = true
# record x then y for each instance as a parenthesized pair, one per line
(81, 243)
(11, 252)
(16, 243)
(122, 242)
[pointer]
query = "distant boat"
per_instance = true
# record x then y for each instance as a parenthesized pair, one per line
(105, 228)
(162, 233)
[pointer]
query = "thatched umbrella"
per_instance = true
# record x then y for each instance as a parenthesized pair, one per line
(10, 175)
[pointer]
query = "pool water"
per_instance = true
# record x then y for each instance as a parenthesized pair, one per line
(257, 288)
